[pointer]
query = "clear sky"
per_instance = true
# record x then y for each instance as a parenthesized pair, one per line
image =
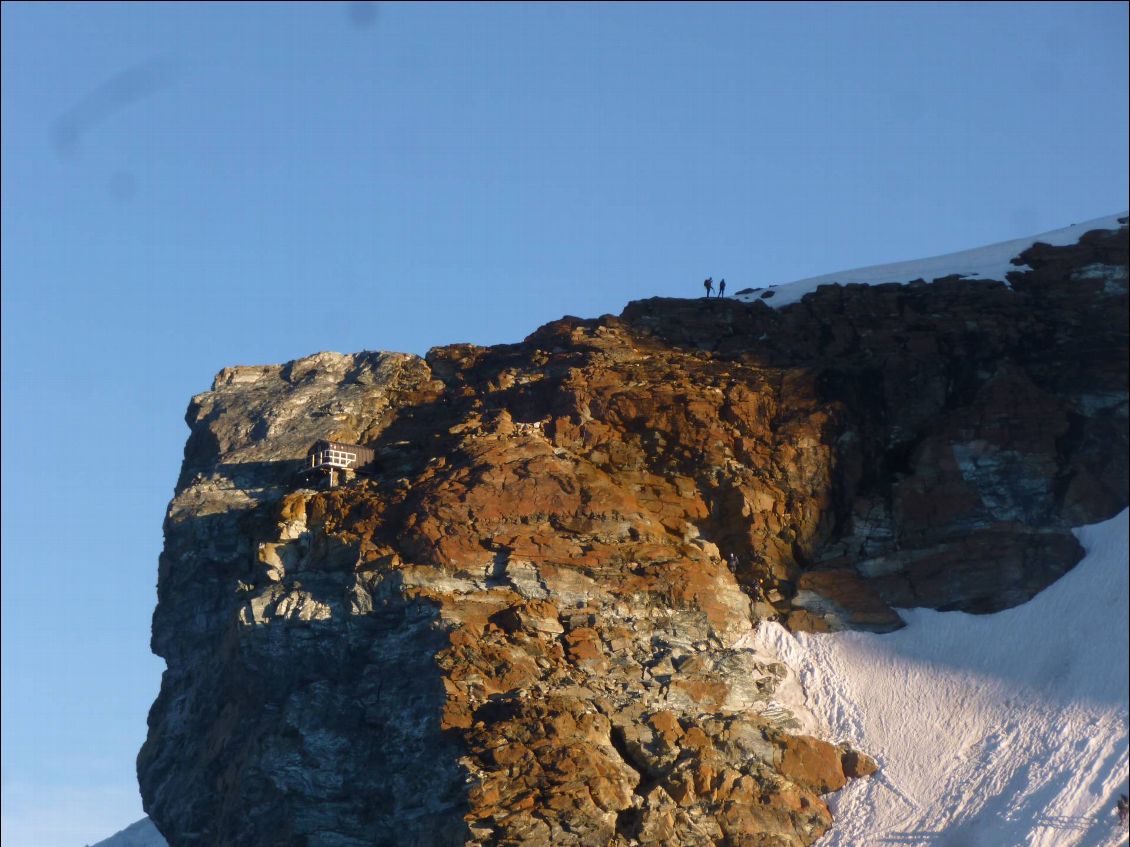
(181, 180)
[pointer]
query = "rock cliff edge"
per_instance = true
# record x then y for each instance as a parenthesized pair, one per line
(528, 626)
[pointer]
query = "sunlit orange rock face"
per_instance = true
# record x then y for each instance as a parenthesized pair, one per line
(527, 626)
(571, 507)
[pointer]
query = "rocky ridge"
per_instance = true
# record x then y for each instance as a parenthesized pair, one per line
(528, 626)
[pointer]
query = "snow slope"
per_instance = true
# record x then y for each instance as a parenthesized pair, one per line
(991, 262)
(990, 731)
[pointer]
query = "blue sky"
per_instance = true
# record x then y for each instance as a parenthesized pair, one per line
(180, 179)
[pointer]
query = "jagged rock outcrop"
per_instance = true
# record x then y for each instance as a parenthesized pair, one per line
(528, 627)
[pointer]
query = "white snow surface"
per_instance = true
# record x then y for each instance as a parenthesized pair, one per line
(990, 730)
(991, 262)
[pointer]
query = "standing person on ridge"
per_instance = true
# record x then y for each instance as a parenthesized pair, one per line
(721, 288)
(708, 284)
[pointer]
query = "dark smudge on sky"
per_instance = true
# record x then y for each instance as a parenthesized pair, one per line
(122, 90)
(362, 14)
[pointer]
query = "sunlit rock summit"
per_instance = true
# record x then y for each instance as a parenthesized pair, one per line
(530, 623)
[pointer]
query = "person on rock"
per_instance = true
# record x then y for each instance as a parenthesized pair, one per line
(721, 288)
(708, 284)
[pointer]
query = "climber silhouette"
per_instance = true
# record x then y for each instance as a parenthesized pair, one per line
(708, 284)
(721, 288)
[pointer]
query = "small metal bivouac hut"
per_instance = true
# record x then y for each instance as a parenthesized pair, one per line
(337, 460)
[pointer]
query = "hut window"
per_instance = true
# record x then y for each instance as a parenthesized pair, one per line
(333, 458)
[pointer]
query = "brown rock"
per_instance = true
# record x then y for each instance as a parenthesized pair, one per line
(812, 763)
(857, 765)
(518, 628)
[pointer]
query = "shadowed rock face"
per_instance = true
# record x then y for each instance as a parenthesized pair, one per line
(527, 627)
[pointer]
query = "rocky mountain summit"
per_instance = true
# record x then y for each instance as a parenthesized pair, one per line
(529, 626)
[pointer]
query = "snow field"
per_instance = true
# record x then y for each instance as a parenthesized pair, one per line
(991, 262)
(990, 730)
